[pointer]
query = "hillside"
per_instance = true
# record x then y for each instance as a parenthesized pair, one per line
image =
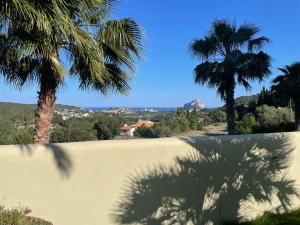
(23, 113)
(246, 100)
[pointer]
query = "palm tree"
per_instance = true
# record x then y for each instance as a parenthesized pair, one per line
(287, 86)
(102, 53)
(230, 55)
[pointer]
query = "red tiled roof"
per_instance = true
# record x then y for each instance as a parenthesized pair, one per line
(126, 127)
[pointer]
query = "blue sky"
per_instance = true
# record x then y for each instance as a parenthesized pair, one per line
(164, 76)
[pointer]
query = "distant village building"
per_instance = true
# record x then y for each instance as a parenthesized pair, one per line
(129, 129)
(67, 114)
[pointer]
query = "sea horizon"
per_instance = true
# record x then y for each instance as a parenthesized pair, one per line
(138, 108)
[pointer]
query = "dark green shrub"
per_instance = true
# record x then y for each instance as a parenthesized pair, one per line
(292, 218)
(272, 115)
(24, 136)
(107, 128)
(144, 132)
(216, 116)
(171, 126)
(246, 125)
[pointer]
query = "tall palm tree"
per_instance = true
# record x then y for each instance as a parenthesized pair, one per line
(230, 55)
(287, 86)
(102, 54)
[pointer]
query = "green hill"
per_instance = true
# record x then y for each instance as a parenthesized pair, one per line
(23, 114)
(246, 100)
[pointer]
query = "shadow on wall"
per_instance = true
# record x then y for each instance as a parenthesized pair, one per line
(210, 185)
(60, 157)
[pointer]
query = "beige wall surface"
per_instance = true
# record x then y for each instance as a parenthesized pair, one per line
(118, 182)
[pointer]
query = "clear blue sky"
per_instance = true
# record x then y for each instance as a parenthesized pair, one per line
(164, 77)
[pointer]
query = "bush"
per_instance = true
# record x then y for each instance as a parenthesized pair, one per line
(171, 126)
(162, 130)
(246, 125)
(292, 218)
(271, 115)
(19, 217)
(107, 128)
(193, 120)
(72, 134)
(24, 136)
(216, 116)
(144, 132)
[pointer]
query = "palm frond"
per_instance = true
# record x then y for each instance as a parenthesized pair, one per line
(203, 48)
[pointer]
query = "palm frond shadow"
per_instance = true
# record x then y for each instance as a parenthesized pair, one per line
(209, 185)
(60, 156)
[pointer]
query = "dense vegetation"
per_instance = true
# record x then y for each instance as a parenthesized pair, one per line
(19, 216)
(292, 218)
(253, 114)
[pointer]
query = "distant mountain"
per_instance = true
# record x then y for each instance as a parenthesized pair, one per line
(195, 104)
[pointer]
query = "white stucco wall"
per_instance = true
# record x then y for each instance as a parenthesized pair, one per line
(82, 183)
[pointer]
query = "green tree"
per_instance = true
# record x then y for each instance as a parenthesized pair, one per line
(7, 132)
(286, 87)
(193, 120)
(270, 115)
(144, 132)
(216, 116)
(107, 128)
(103, 60)
(246, 125)
(181, 112)
(23, 136)
(225, 63)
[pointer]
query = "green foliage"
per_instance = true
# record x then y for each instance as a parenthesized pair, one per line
(18, 216)
(193, 119)
(144, 132)
(267, 119)
(246, 125)
(216, 116)
(107, 128)
(171, 126)
(19, 114)
(292, 218)
(271, 115)
(181, 112)
(24, 136)
(246, 100)
(9, 134)
(73, 130)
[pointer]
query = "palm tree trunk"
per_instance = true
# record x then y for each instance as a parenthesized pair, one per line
(46, 100)
(297, 115)
(229, 99)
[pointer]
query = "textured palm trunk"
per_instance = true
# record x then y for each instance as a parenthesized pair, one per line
(297, 115)
(229, 98)
(46, 100)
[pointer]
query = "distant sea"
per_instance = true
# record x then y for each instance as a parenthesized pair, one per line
(133, 108)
